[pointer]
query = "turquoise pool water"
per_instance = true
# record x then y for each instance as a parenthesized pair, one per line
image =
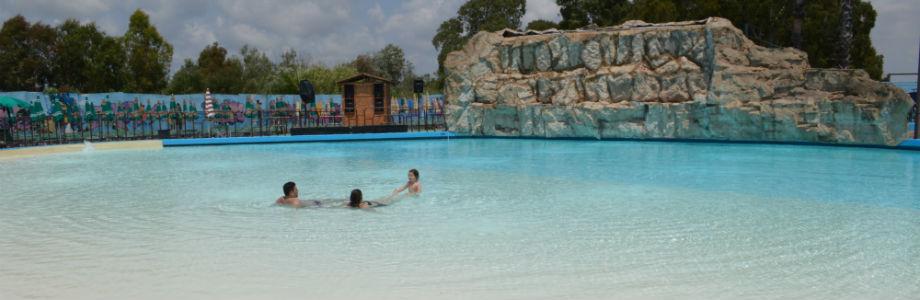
(498, 219)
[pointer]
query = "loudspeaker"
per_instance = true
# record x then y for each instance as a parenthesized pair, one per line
(418, 86)
(307, 94)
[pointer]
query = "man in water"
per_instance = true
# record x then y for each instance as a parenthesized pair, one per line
(290, 196)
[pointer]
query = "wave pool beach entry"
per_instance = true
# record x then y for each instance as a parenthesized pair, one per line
(498, 219)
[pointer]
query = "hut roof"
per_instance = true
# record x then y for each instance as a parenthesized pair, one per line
(363, 76)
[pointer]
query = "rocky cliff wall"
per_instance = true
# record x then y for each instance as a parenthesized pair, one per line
(687, 80)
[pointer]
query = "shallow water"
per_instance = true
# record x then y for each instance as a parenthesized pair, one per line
(498, 219)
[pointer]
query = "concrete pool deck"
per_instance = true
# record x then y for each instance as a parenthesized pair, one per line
(25, 152)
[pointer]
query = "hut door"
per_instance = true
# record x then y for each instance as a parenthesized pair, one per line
(378, 99)
(349, 99)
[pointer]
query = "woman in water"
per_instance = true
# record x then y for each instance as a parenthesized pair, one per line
(413, 185)
(357, 200)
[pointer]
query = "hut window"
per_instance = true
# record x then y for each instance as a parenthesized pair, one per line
(379, 106)
(349, 98)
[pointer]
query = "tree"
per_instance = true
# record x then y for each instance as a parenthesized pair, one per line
(580, 13)
(654, 11)
(258, 70)
(364, 63)
(798, 15)
(26, 52)
(391, 62)
(148, 55)
(813, 26)
(472, 17)
(846, 34)
(220, 73)
(541, 25)
(87, 60)
(187, 79)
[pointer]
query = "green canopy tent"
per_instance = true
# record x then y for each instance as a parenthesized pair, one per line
(10, 102)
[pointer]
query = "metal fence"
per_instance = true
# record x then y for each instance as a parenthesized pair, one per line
(22, 130)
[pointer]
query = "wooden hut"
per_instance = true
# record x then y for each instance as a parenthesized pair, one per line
(365, 100)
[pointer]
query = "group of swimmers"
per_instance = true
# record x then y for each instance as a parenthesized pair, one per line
(355, 200)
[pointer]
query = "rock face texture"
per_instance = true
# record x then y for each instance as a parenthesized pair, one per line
(687, 80)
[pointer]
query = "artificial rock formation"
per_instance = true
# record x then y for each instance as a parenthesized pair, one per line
(687, 80)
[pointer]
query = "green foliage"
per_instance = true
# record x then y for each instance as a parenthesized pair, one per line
(472, 17)
(25, 52)
(323, 78)
(148, 55)
(654, 11)
(87, 59)
(766, 22)
(541, 25)
(390, 63)
(258, 70)
(220, 73)
(187, 80)
(580, 13)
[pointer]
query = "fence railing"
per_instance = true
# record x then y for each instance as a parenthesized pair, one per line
(23, 130)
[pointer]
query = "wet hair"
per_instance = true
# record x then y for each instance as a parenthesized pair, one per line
(414, 172)
(288, 188)
(355, 199)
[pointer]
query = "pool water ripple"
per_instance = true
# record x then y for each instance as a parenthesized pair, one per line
(499, 219)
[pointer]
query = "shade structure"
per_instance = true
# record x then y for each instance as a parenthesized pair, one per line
(10, 102)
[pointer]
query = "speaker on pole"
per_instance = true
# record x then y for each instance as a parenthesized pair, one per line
(418, 86)
(307, 93)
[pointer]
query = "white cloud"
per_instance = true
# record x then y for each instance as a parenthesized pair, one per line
(541, 9)
(896, 35)
(333, 31)
(376, 12)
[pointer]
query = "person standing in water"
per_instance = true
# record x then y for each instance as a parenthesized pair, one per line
(413, 185)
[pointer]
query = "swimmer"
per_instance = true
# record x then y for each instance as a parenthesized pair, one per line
(290, 197)
(357, 200)
(414, 186)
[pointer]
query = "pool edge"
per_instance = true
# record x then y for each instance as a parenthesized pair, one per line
(279, 139)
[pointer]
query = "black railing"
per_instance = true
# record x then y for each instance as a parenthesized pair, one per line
(22, 130)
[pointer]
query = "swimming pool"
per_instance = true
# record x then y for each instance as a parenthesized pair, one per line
(499, 219)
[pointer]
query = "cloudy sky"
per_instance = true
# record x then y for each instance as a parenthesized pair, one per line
(334, 31)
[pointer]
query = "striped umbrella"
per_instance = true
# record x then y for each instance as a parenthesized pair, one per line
(208, 104)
